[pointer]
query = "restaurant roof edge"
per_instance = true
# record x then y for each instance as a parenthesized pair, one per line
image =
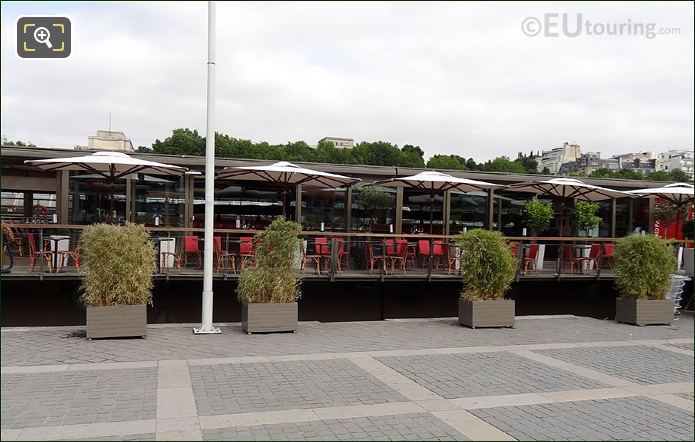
(355, 169)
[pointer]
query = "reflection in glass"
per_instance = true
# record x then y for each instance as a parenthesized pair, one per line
(323, 209)
(159, 200)
(91, 199)
(468, 210)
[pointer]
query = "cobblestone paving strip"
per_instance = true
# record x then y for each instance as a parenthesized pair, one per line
(632, 418)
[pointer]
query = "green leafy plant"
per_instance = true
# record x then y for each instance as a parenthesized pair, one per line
(487, 264)
(538, 216)
(374, 202)
(584, 215)
(275, 278)
(118, 264)
(643, 266)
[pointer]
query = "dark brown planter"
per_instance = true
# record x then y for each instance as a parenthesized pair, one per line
(117, 321)
(493, 313)
(644, 311)
(270, 317)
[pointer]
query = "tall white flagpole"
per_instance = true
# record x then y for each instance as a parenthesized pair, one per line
(206, 326)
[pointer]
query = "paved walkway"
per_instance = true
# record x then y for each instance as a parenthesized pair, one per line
(549, 378)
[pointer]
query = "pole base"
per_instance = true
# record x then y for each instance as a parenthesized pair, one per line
(207, 331)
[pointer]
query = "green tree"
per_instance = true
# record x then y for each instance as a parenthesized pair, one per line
(181, 142)
(529, 164)
(584, 215)
(453, 162)
(412, 156)
(502, 164)
(680, 176)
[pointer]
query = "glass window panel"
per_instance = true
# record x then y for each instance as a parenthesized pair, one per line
(91, 199)
(323, 206)
(372, 219)
(468, 210)
(422, 210)
(159, 200)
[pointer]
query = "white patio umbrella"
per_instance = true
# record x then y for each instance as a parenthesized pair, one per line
(434, 182)
(286, 174)
(566, 188)
(110, 166)
(678, 194)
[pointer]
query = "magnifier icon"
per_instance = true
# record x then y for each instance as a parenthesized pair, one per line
(42, 35)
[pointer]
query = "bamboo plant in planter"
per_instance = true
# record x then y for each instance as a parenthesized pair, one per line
(488, 269)
(643, 268)
(118, 264)
(269, 291)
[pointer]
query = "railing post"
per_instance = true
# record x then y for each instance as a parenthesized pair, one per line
(430, 260)
(520, 259)
(42, 249)
(334, 257)
(599, 260)
(560, 257)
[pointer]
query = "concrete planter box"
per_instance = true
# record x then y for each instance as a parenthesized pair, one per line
(117, 321)
(644, 311)
(270, 317)
(494, 313)
(688, 261)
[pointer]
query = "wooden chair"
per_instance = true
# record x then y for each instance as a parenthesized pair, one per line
(35, 254)
(343, 253)
(531, 257)
(190, 245)
(399, 256)
(423, 249)
(594, 256)
(568, 257)
(65, 256)
(373, 259)
(222, 255)
(452, 257)
(14, 239)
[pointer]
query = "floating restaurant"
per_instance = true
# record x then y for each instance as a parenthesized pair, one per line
(371, 233)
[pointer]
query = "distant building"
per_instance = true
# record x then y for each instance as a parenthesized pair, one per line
(339, 142)
(676, 159)
(108, 140)
(555, 158)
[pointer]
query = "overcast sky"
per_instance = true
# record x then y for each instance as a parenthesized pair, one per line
(459, 78)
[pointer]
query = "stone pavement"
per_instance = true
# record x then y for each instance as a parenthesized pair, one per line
(559, 377)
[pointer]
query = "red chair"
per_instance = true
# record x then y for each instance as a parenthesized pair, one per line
(423, 249)
(323, 252)
(35, 254)
(190, 245)
(65, 256)
(437, 251)
(568, 256)
(400, 254)
(531, 257)
(373, 259)
(608, 254)
(515, 248)
(246, 251)
(342, 254)
(594, 256)
(221, 255)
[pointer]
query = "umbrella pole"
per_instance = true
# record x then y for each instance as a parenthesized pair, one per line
(431, 211)
(562, 217)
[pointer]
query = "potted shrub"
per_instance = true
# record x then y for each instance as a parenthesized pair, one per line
(269, 291)
(118, 264)
(643, 268)
(488, 269)
(584, 216)
(538, 217)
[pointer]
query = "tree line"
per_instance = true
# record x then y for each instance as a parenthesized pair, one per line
(376, 153)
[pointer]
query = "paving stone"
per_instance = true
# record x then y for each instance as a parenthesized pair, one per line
(235, 388)
(78, 397)
(131, 437)
(484, 374)
(427, 427)
(640, 364)
(633, 418)
(690, 347)
(688, 396)
(51, 346)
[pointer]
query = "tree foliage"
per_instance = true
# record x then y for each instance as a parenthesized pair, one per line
(659, 175)
(538, 215)
(584, 215)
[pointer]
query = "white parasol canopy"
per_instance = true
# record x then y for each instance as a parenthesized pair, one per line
(677, 193)
(109, 165)
(566, 188)
(286, 173)
(433, 181)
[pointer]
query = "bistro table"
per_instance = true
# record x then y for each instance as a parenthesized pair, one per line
(160, 240)
(54, 250)
(582, 251)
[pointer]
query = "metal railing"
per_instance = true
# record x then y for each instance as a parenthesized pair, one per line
(49, 249)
